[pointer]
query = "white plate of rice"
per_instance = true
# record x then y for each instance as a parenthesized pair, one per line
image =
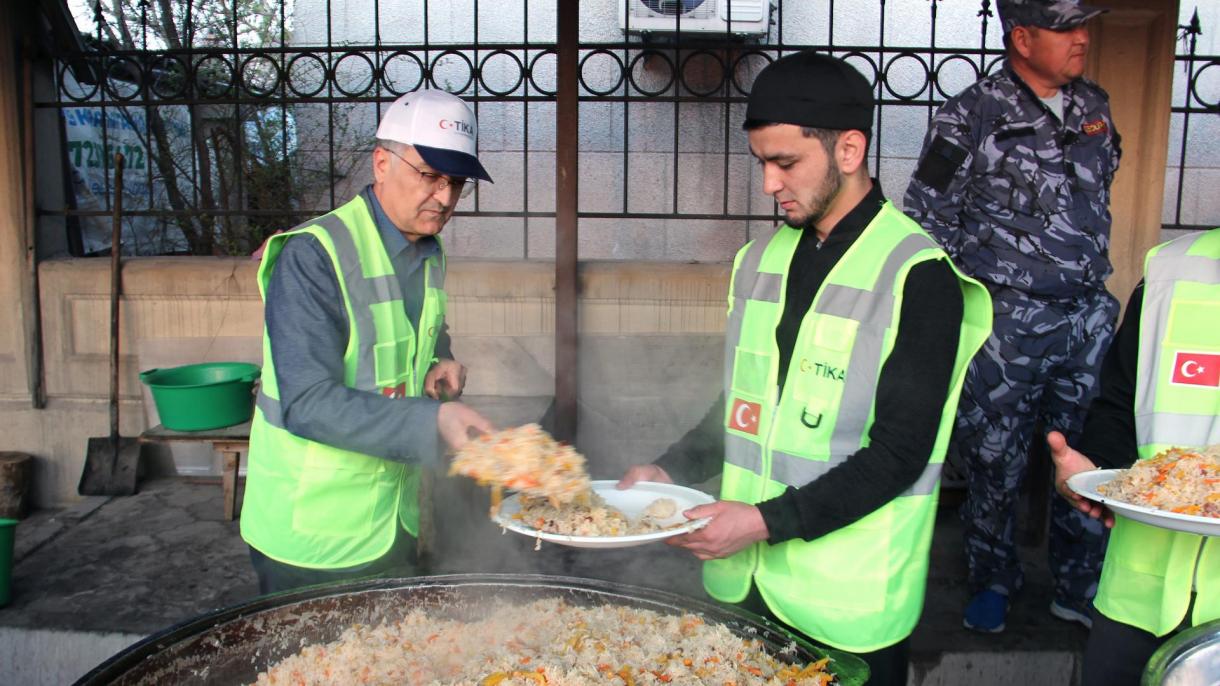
(633, 503)
(1086, 484)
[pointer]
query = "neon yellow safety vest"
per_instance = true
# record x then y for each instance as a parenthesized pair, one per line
(859, 588)
(1147, 576)
(313, 505)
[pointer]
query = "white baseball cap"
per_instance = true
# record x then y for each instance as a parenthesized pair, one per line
(442, 129)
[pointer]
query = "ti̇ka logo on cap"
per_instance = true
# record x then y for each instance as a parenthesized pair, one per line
(744, 416)
(458, 126)
(1196, 369)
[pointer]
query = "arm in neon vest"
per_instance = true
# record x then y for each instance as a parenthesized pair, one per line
(308, 329)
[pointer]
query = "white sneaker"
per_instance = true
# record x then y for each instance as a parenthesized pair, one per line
(1069, 614)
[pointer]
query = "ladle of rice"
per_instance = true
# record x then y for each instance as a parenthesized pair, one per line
(525, 459)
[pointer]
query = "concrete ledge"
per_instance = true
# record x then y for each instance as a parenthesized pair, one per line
(38, 657)
(998, 669)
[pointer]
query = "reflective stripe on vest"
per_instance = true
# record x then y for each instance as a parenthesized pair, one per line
(796, 471)
(1148, 574)
(748, 284)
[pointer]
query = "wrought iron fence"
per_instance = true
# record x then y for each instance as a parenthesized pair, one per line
(240, 117)
(1196, 97)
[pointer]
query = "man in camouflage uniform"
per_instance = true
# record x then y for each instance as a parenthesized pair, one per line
(1014, 181)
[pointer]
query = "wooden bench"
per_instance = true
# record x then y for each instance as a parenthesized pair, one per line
(230, 442)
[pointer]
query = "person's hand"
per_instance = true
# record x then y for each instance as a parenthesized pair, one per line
(642, 472)
(455, 421)
(734, 526)
(1069, 462)
(445, 380)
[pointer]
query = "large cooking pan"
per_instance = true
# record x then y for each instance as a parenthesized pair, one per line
(1191, 658)
(232, 646)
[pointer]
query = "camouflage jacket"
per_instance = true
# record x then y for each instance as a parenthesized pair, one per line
(1017, 198)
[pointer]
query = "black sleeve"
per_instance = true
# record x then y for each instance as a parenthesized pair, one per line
(1109, 430)
(911, 393)
(699, 455)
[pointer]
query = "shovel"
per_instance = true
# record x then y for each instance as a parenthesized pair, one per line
(111, 461)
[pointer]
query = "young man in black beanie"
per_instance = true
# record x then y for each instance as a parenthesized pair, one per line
(849, 332)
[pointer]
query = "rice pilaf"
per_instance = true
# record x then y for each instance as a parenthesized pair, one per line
(547, 642)
(525, 459)
(591, 516)
(1176, 480)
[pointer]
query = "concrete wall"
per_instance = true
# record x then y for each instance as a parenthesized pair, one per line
(650, 351)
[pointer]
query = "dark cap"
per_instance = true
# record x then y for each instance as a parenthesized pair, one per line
(812, 89)
(1045, 14)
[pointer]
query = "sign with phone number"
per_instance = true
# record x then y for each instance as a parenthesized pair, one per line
(93, 154)
(90, 144)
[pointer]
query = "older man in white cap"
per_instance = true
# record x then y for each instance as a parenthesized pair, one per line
(358, 382)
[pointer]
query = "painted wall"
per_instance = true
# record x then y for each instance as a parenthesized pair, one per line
(651, 351)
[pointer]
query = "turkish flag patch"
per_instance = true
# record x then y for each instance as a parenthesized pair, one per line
(395, 392)
(1196, 369)
(744, 416)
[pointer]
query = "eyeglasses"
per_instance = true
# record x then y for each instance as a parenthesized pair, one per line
(440, 182)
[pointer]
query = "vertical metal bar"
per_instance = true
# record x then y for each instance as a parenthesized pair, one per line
(378, 65)
(284, 90)
(830, 31)
(677, 129)
(102, 78)
(31, 299)
(146, 88)
(931, 82)
(239, 134)
(1193, 29)
(880, 93)
(525, 133)
(474, 77)
(778, 54)
(724, 193)
(626, 109)
(726, 78)
(189, 43)
(190, 23)
(566, 167)
(428, 75)
(984, 13)
(330, 107)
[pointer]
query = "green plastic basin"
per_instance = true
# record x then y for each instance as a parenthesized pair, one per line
(210, 395)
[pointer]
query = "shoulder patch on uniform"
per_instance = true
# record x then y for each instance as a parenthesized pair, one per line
(940, 164)
(1092, 128)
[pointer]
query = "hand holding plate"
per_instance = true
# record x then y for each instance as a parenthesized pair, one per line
(1068, 463)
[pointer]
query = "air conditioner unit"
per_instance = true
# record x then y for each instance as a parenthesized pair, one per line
(743, 17)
